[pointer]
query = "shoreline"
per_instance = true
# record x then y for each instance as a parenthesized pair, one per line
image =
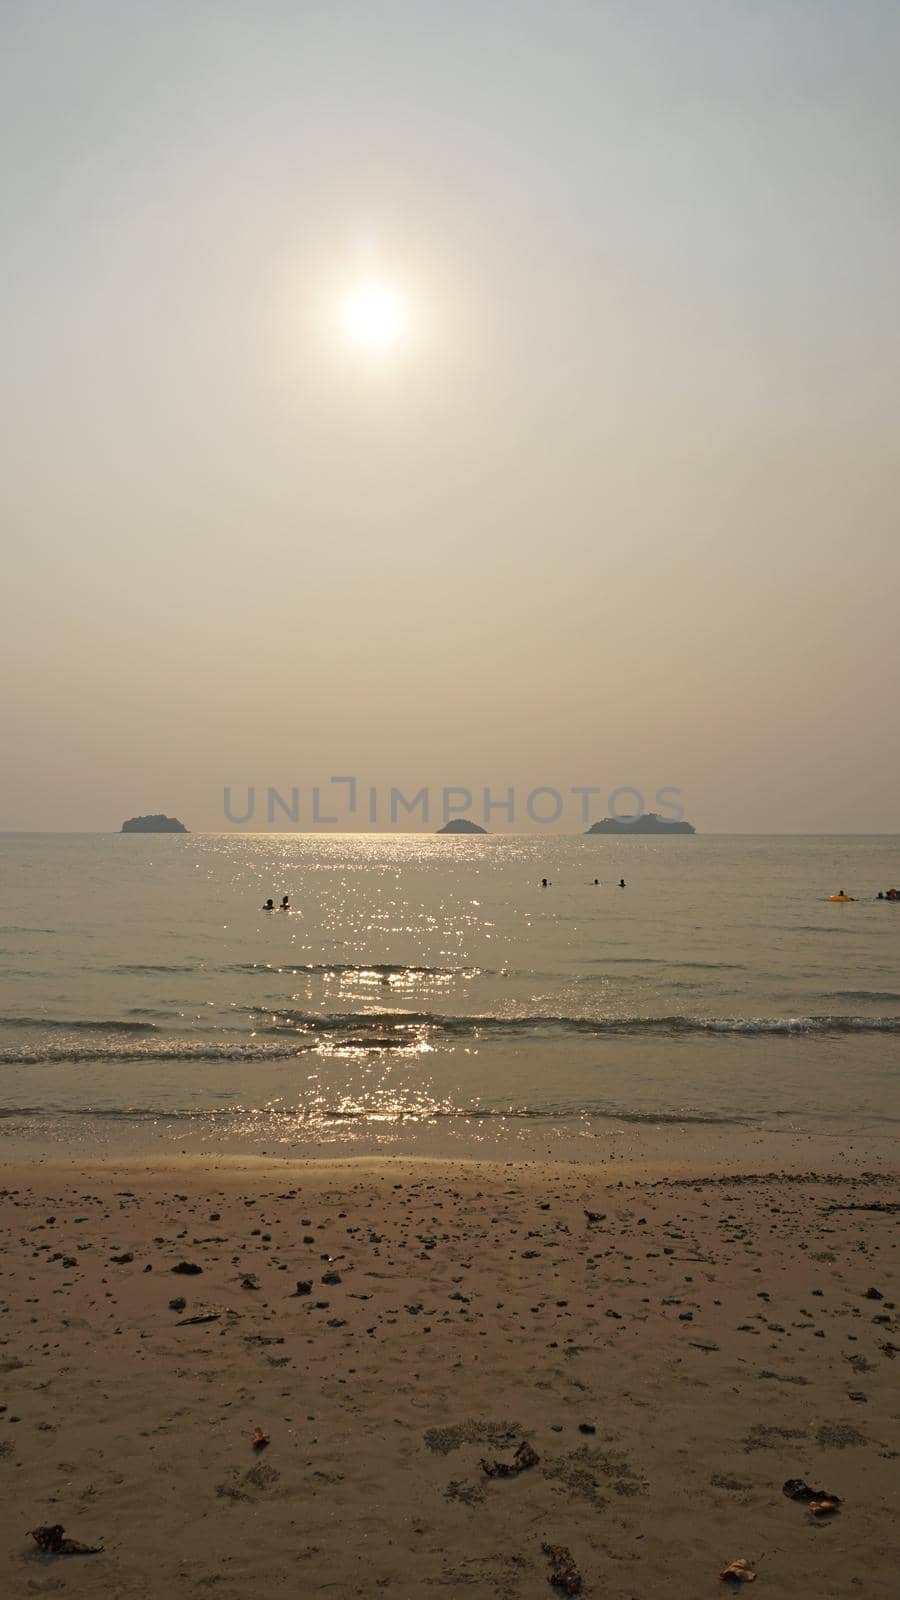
(332, 1169)
(671, 1358)
(614, 1147)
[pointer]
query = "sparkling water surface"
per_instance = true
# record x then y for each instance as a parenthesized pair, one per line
(422, 980)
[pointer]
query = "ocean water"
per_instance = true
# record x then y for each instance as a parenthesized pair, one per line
(422, 986)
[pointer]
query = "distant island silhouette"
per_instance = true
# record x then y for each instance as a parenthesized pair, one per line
(461, 825)
(647, 822)
(155, 824)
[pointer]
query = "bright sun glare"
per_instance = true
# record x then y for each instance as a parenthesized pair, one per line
(375, 316)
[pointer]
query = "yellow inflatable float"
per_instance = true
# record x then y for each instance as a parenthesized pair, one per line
(842, 896)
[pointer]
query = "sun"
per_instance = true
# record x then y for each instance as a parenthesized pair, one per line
(375, 316)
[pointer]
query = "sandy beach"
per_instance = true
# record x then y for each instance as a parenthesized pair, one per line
(393, 1327)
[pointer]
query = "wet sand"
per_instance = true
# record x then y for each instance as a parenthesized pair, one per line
(671, 1360)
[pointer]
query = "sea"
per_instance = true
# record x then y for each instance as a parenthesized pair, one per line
(426, 995)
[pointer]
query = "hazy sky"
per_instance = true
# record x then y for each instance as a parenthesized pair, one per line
(619, 507)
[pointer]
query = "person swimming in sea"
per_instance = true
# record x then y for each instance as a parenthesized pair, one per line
(545, 883)
(269, 905)
(621, 883)
(285, 903)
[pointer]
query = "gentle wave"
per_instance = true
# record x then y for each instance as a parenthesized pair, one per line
(664, 961)
(135, 968)
(326, 1114)
(882, 997)
(393, 1030)
(79, 1024)
(168, 1050)
(382, 969)
(407, 1021)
